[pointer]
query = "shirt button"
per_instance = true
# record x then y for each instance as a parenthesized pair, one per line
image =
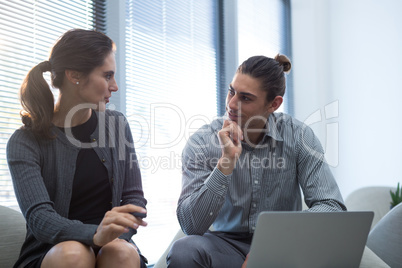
(210, 213)
(253, 228)
(93, 139)
(254, 205)
(103, 160)
(256, 182)
(223, 186)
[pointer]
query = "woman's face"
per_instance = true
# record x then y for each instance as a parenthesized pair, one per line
(98, 86)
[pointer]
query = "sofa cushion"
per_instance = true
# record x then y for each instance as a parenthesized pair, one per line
(385, 238)
(371, 260)
(373, 198)
(12, 235)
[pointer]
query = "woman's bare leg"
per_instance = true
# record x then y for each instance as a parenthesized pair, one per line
(118, 253)
(69, 254)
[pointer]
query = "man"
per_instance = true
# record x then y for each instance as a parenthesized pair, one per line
(255, 160)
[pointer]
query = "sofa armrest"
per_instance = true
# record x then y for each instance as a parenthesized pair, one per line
(371, 260)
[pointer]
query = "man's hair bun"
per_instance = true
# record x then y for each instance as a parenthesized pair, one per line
(284, 62)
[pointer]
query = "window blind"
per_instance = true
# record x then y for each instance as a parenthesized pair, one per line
(171, 90)
(28, 30)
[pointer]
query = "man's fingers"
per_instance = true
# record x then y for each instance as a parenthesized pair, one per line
(235, 132)
(230, 134)
(226, 123)
(233, 128)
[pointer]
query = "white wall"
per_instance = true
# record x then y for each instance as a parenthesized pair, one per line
(347, 56)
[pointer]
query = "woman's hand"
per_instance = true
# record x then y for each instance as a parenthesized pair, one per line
(116, 222)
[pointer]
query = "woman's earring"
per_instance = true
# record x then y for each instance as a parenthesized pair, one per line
(77, 82)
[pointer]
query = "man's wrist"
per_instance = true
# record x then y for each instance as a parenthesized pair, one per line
(226, 165)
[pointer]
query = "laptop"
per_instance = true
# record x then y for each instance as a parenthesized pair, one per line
(309, 239)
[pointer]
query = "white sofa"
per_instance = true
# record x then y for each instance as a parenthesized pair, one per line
(375, 199)
(385, 237)
(384, 244)
(12, 235)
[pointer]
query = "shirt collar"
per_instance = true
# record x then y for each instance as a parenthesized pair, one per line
(272, 126)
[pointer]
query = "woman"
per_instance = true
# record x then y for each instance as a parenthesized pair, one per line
(73, 163)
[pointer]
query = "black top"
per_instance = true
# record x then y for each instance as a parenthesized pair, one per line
(92, 194)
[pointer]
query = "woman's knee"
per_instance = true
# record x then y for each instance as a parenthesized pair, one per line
(120, 251)
(69, 254)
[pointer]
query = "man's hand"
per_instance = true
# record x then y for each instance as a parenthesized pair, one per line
(116, 222)
(230, 137)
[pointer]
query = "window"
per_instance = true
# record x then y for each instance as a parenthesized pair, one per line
(170, 79)
(25, 40)
(264, 29)
(175, 60)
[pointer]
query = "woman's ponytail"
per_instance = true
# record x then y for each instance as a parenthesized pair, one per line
(37, 101)
(77, 49)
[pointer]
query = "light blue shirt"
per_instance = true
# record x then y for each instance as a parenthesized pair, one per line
(267, 177)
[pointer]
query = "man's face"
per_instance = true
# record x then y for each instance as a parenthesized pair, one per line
(246, 103)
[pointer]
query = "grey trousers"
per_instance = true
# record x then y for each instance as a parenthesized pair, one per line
(213, 249)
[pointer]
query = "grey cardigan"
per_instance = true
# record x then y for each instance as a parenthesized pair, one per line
(42, 171)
